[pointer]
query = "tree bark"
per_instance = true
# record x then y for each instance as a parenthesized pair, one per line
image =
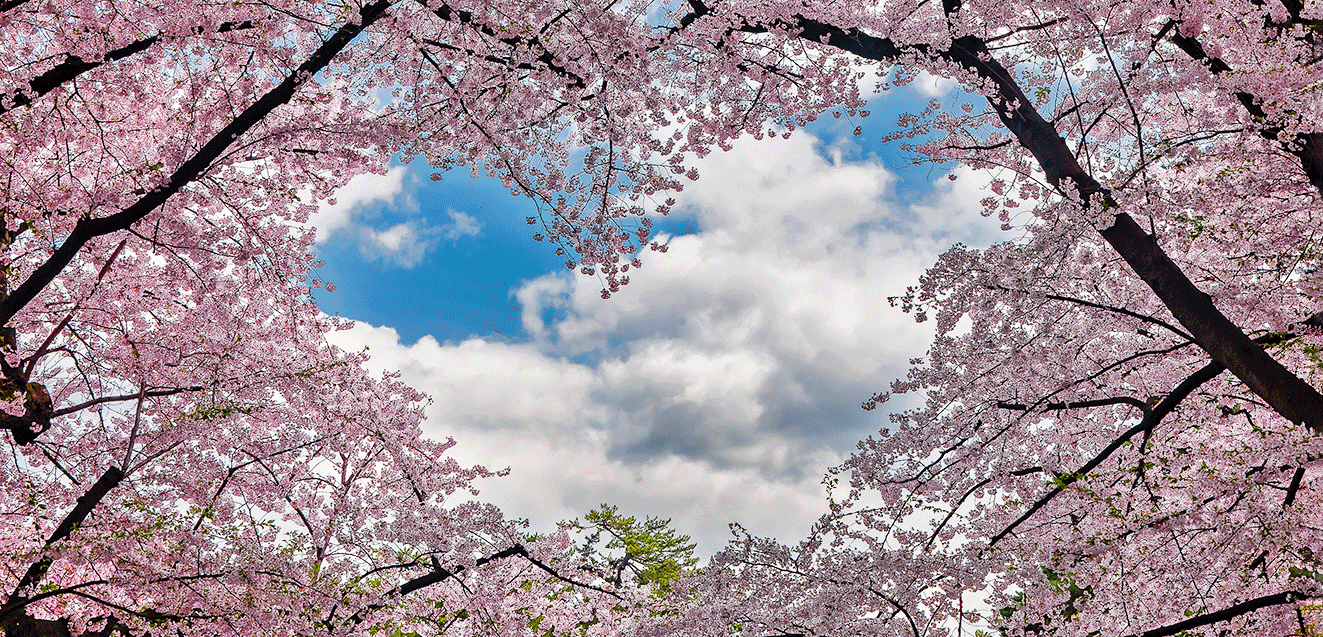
(1231, 612)
(1287, 393)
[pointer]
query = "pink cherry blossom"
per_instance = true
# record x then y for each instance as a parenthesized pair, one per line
(1114, 425)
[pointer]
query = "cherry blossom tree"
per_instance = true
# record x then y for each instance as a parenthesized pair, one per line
(185, 453)
(1119, 421)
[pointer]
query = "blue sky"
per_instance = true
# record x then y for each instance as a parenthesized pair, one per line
(720, 384)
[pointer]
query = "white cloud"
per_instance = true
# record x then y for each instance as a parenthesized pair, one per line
(395, 237)
(351, 197)
(925, 84)
(934, 85)
(721, 383)
(511, 405)
(403, 244)
(461, 225)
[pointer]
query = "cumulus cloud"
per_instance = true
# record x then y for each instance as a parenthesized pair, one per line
(722, 382)
(337, 213)
(405, 244)
(926, 85)
(934, 85)
(358, 209)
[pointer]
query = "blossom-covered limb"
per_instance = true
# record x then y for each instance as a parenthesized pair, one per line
(1307, 146)
(1220, 337)
(193, 167)
(21, 596)
(74, 66)
(1152, 418)
(1227, 614)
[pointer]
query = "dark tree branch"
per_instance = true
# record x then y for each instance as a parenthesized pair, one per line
(1035, 27)
(110, 399)
(449, 14)
(1289, 395)
(900, 608)
(82, 508)
(1285, 392)
(70, 68)
(1081, 404)
(1146, 424)
(1229, 613)
(1109, 308)
(440, 574)
(1308, 147)
(1295, 486)
(190, 170)
(955, 506)
(74, 66)
(568, 580)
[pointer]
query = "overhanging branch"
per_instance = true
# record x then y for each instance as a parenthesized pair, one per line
(1146, 424)
(20, 598)
(74, 66)
(190, 170)
(1285, 392)
(1307, 147)
(440, 574)
(1226, 614)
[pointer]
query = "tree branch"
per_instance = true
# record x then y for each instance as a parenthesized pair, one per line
(1081, 404)
(74, 66)
(1146, 424)
(190, 170)
(440, 574)
(1231, 612)
(1109, 308)
(110, 399)
(1285, 392)
(955, 506)
(445, 12)
(1294, 487)
(83, 507)
(1308, 147)
(437, 575)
